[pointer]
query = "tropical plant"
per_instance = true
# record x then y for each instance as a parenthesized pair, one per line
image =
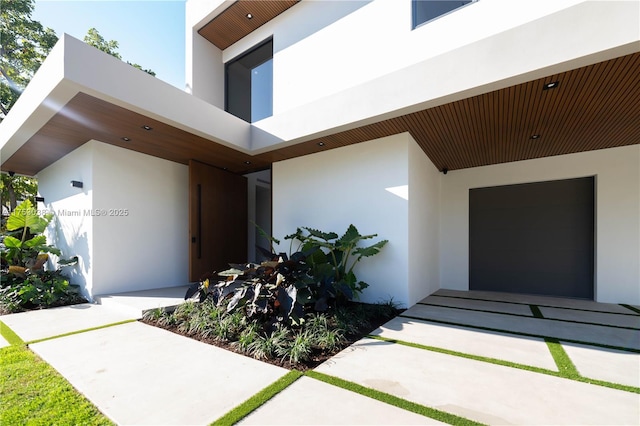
(24, 282)
(332, 261)
(285, 287)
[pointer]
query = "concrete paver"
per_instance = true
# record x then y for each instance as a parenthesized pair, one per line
(40, 324)
(312, 402)
(593, 317)
(620, 337)
(482, 305)
(519, 349)
(143, 375)
(480, 391)
(586, 305)
(605, 364)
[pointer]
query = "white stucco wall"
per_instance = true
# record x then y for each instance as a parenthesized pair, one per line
(71, 230)
(366, 184)
(148, 246)
(141, 241)
(424, 224)
(617, 172)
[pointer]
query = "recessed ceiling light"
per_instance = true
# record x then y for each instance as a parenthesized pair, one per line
(247, 162)
(320, 143)
(535, 136)
(249, 16)
(126, 139)
(147, 127)
(551, 85)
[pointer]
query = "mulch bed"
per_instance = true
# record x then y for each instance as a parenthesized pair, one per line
(317, 357)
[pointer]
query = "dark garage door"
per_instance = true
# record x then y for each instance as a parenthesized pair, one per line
(533, 238)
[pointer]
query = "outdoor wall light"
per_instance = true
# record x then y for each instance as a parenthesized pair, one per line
(39, 199)
(445, 170)
(551, 85)
(147, 127)
(76, 184)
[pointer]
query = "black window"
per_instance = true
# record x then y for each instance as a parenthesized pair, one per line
(426, 10)
(249, 84)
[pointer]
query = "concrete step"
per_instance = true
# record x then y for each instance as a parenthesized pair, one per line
(136, 303)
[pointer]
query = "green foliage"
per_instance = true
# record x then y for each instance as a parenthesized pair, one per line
(24, 44)
(93, 38)
(264, 339)
(332, 261)
(285, 288)
(13, 190)
(24, 284)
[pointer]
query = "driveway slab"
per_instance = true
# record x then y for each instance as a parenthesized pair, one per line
(507, 347)
(559, 302)
(618, 320)
(481, 305)
(312, 402)
(139, 374)
(605, 364)
(481, 391)
(544, 327)
(35, 325)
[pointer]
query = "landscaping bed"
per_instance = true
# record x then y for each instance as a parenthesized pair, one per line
(301, 347)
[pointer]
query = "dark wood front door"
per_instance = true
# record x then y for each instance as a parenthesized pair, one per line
(217, 219)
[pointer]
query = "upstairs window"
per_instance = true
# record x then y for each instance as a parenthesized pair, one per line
(249, 84)
(427, 10)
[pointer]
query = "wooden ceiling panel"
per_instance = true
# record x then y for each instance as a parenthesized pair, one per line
(594, 107)
(233, 24)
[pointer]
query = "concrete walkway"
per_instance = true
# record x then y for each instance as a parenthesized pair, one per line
(439, 354)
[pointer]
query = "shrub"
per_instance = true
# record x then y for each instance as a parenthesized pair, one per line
(283, 289)
(25, 284)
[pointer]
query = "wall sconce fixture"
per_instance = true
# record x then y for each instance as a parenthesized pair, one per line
(76, 184)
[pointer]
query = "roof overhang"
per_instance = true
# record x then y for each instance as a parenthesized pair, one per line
(80, 94)
(240, 18)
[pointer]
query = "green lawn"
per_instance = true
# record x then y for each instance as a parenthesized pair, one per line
(33, 393)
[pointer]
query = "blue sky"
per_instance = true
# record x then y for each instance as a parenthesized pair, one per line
(149, 32)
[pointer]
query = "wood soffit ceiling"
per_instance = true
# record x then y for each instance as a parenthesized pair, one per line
(593, 107)
(233, 24)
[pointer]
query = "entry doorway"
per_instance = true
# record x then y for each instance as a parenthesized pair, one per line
(217, 219)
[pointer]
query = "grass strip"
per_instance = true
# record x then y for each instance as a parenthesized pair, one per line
(563, 362)
(488, 311)
(33, 393)
(392, 400)
(518, 333)
(535, 310)
(71, 333)
(466, 355)
(636, 310)
(9, 335)
(523, 303)
(566, 367)
(251, 404)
